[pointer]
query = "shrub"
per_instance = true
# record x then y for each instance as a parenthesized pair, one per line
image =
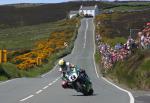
(48, 47)
(9, 70)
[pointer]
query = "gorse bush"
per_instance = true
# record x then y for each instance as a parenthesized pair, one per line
(49, 50)
(48, 47)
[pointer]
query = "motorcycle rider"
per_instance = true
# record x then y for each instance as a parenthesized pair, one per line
(64, 67)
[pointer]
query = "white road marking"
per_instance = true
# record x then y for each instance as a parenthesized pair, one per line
(39, 91)
(26, 98)
(50, 84)
(7, 81)
(147, 94)
(129, 93)
(57, 79)
(45, 87)
(94, 51)
(85, 33)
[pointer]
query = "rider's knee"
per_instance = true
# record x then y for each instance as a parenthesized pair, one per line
(64, 84)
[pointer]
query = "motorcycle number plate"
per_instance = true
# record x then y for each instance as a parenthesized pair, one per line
(73, 77)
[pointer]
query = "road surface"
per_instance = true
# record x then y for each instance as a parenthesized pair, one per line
(47, 88)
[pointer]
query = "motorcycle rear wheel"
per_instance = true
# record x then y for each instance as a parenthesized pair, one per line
(91, 91)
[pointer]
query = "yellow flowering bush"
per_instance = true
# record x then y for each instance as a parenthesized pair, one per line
(45, 48)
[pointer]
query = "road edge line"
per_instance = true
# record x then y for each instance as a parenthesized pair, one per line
(85, 35)
(128, 92)
(94, 50)
(4, 82)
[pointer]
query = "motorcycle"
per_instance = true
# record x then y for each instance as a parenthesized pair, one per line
(79, 81)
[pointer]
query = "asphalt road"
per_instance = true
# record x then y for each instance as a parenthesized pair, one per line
(47, 88)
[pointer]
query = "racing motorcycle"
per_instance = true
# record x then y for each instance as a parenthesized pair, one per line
(79, 81)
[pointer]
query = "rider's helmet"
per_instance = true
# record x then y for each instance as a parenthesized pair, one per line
(62, 63)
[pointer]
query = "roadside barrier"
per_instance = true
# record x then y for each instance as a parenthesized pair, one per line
(3, 56)
(0, 56)
(39, 61)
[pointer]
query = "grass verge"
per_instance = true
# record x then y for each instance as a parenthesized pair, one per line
(134, 72)
(9, 70)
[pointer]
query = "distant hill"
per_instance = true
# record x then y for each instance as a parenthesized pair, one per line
(20, 5)
(31, 14)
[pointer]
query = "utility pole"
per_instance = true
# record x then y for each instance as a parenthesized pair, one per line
(132, 30)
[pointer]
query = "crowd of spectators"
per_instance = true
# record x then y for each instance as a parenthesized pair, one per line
(144, 37)
(120, 52)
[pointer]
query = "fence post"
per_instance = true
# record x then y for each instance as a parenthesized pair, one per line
(39, 61)
(4, 56)
(0, 56)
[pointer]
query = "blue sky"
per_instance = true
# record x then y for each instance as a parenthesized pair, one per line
(36, 1)
(29, 1)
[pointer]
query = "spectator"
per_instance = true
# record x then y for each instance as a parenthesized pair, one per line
(142, 40)
(122, 51)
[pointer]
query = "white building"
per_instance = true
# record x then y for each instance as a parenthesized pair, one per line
(89, 10)
(85, 11)
(73, 14)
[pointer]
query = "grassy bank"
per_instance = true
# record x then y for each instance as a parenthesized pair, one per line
(10, 70)
(114, 28)
(135, 71)
(128, 8)
(25, 37)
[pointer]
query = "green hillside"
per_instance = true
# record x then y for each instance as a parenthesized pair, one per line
(26, 36)
(21, 25)
(21, 14)
(31, 14)
(118, 24)
(23, 61)
(115, 28)
(135, 71)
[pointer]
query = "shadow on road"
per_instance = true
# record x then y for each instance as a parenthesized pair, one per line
(84, 95)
